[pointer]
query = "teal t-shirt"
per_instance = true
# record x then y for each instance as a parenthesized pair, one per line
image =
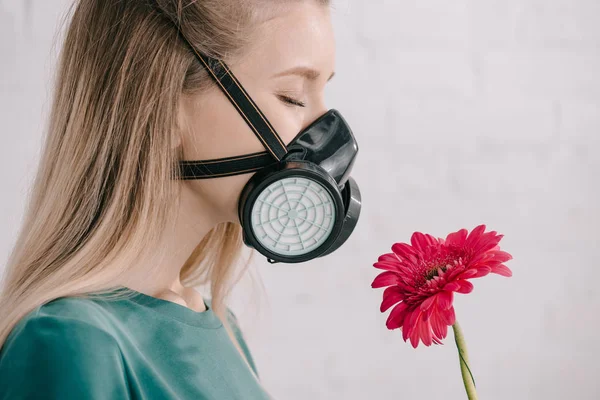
(141, 347)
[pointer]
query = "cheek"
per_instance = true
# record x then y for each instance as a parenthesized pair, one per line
(214, 129)
(287, 124)
(287, 121)
(219, 197)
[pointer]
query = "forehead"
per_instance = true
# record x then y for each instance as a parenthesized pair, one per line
(299, 33)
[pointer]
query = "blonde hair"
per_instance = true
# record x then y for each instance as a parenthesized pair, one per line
(104, 192)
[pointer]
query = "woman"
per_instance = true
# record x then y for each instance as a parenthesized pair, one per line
(98, 299)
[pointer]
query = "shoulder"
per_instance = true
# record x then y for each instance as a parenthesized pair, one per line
(58, 347)
(229, 314)
(232, 318)
(235, 327)
(67, 315)
(66, 324)
(234, 324)
(85, 309)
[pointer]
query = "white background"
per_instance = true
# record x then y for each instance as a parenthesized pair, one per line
(466, 112)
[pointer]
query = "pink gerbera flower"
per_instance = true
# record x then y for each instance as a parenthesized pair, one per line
(423, 276)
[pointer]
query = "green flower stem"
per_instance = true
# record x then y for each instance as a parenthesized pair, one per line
(464, 362)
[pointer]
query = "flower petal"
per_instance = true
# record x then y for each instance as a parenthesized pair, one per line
(388, 265)
(474, 235)
(414, 336)
(470, 273)
(428, 302)
(452, 286)
(487, 241)
(391, 296)
(424, 331)
(410, 323)
(439, 327)
(403, 250)
(480, 258)
(466, 287)
(385, 279)
(502, 270)
(422, 241)
(482, 271)
(427, 313)
(448, 316)
(501, 256)
(445, 299)
(459, 286)
(405, 330)
(388, 257)
(397, 316)
(456, 238)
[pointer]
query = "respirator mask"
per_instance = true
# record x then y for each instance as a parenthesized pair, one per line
(301, 203)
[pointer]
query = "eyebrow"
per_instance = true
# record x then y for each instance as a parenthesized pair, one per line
(305, 72)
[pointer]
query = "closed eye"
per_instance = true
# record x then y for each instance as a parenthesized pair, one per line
(291, 101)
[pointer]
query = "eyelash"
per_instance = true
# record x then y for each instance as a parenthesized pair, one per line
(291, 102)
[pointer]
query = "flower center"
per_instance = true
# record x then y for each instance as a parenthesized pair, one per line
(435, 271)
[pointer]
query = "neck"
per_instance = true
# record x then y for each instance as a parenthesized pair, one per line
(159, 274)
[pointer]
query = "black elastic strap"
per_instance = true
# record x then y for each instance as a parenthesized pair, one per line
(228, 166)
(242, 102)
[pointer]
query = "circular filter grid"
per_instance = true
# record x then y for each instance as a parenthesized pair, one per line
(293, 216)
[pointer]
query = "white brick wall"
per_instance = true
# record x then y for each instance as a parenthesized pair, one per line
(467, 112)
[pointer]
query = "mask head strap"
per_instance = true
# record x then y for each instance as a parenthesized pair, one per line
(255, 119)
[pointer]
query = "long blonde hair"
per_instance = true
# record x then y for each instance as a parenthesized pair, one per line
(104, 192)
